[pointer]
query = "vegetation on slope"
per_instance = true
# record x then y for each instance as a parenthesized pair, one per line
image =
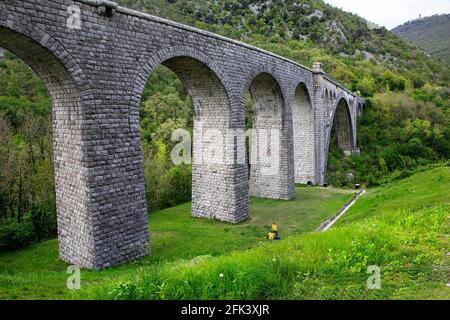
(399, 132)
(308, 31)
(430, 33)
(27, 193)
(405, 234)
(405, 125)
(36, 272)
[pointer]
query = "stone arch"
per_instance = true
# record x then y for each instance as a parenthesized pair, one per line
(170, 54)
(268, 70)
(69, 90)
(216, 189)
(304, 135)
(20, 31)
(268, 96)
(269, 174)
(343, 123)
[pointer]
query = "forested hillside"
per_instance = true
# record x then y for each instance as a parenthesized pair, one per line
(306, 31)
(405, 125)
(431, 34)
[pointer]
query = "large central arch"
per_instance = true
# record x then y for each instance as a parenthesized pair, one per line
(216, 184)
(341, 122)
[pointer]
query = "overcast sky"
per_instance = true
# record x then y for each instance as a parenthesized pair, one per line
(391, 13)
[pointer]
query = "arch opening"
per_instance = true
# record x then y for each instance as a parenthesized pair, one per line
(343, 125)
(207, 117)
(339, 136)
(211, 104)
(304, 137)
(266, 139)
(68, 163)
(360, 109)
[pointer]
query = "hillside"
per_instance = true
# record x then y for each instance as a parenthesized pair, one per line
(305, 31)
(431, 34)
(36, 272)
(401, 227)
(406, 123)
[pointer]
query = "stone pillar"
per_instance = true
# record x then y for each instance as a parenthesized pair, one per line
(319, 120)
(219, 177)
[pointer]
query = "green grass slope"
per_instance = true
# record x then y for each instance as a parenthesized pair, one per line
(402, 227)
(37, 273)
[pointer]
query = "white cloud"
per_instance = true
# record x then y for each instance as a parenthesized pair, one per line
(391, 13)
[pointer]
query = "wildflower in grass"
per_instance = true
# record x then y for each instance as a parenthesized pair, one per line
(221, 275)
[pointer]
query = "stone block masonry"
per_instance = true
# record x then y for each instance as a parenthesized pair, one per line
(95, 57)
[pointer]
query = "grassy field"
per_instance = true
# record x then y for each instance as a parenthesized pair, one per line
(37, 273)
(402, 228)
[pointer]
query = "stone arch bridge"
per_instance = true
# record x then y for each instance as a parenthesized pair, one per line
(95, 58)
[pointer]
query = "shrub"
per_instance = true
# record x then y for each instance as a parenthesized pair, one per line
(175, 186)
(366, 87)
(15, 235)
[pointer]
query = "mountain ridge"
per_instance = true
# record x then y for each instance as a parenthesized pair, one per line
(432, 34)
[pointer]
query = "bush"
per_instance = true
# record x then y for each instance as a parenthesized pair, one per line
(366, 87)
(414, 148)
(175, 186)
(403, 175)
(15, 235)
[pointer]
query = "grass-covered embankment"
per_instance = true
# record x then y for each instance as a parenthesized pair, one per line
(402, 227)
(37, 273)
